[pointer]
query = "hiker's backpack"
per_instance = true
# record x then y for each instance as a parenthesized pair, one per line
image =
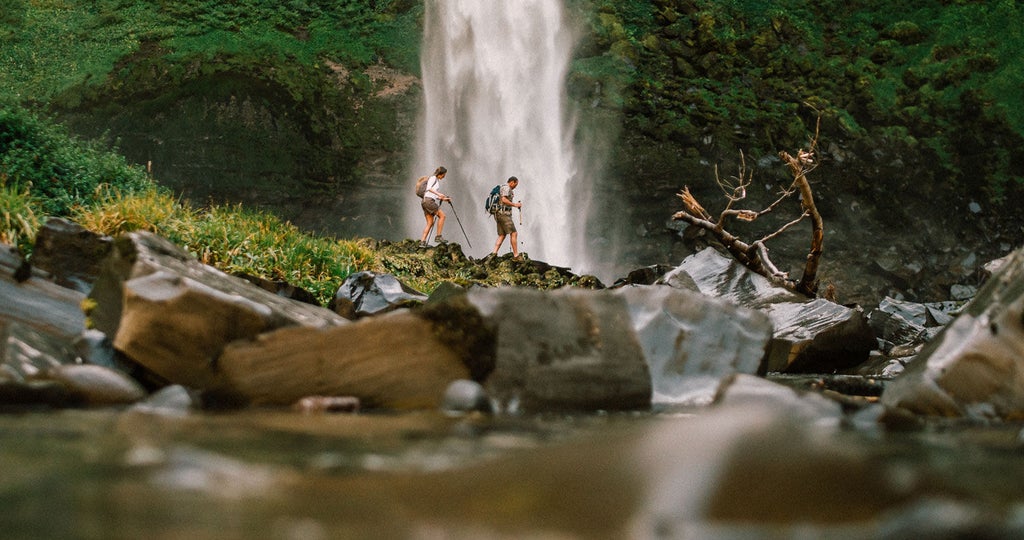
(493, 200)
(421, 186)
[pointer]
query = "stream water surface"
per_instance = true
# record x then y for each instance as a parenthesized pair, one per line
(282, 474)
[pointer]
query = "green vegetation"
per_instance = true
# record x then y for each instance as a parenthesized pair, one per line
(19, 220)
(57, 169)
(938, 82)
(241, 241)
(53, 46)
(233, 239)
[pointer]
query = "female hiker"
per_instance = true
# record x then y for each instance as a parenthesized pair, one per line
(431, 204)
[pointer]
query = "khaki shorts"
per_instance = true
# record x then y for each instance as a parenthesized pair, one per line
(430, 206)
(505, 223)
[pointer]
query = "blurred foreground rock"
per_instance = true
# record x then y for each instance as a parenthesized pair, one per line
(975, 366)
(692, 342)
(763, 462)
(71, 253)
(41, 327)
(564, 349)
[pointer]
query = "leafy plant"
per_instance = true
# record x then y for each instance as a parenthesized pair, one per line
(58, 170)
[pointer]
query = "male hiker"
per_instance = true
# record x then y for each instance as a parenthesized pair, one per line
(503, 217)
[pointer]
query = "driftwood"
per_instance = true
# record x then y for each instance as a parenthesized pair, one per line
(754, 255)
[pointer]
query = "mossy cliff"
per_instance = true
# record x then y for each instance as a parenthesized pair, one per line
(918, 104)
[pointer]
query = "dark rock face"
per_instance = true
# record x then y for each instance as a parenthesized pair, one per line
(70, 253)
(818, 337)
(903, 324)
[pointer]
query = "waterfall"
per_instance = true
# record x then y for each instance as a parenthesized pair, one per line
(495, 106)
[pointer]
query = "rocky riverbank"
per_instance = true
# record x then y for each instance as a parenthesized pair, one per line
(137, 313)
(769, 409)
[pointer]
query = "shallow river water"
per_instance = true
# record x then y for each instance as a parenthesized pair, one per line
(282, 474)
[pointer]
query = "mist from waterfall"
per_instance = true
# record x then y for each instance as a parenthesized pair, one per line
(495, 106)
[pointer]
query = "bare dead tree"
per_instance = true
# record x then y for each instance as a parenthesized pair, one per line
(754, 255)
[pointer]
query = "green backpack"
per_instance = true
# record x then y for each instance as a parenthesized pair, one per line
(493, 200)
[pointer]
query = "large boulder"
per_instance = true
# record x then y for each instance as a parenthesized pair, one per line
(393, 361)
(691, 342)
(722, 277)
(174, 315)
(975, 366)
(568, 349)
(818, 336)
(810, 335)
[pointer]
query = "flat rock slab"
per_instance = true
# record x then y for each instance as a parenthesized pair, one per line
(392, 361)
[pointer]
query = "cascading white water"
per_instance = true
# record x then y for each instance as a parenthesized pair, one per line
(495, 106)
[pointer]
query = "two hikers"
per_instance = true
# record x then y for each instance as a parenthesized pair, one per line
(503, 217)
(429, 188)
(431, 204)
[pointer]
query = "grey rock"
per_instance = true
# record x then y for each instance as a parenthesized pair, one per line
(810, 335)
(38, 302)
(818, 337)
(368, 293)
(97, 385)
(172, 400)
(563, 350)
(174, 315)
(464, 396)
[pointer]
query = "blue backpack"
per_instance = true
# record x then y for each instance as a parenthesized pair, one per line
(493, 200)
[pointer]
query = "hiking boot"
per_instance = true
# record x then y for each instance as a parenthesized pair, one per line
(424, 245)
(439, 240)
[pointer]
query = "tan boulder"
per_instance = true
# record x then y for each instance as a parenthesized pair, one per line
(392, 361)
(173, 315)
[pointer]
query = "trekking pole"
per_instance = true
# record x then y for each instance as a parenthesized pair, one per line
(460, 224)
(520, 211)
